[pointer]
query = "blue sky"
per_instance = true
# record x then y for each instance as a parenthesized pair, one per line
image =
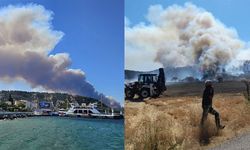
(93, 37)
(231, 12)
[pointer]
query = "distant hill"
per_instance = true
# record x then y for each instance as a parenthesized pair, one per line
(50, 97)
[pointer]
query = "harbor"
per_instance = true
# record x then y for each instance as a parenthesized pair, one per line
(45, 109)
(20, 104)
(59, 124)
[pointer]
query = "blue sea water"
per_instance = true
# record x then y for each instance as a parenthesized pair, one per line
(57, 133)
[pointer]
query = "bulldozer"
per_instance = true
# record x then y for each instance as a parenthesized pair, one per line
(148, 85)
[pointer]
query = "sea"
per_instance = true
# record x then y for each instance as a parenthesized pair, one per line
(61, 133)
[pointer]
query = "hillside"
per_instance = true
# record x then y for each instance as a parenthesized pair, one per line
(43, 96)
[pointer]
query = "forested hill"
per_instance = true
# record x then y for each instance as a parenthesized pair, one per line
(43, 96)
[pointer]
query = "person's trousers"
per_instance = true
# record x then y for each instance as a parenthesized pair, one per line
(209, 109)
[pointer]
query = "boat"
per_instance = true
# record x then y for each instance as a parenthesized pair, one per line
(42, 112)
(62, 112)
(90, 111)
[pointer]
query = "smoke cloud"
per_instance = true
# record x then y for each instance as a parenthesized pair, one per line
(26, 41)
(179, 36)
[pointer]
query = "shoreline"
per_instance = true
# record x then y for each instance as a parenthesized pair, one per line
(13, 116)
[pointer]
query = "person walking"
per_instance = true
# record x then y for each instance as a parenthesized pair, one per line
(207, 100)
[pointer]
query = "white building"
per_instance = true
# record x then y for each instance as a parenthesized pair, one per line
(28, 104)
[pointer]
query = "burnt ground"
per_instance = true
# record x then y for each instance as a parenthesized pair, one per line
(196, 88)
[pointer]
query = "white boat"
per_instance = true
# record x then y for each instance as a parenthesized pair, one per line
(81, 111)
(42, 112)
(90, 111)
(109, 116)
(62, 112)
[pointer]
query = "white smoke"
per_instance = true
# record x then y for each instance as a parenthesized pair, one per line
(179, 36)
(26, 41)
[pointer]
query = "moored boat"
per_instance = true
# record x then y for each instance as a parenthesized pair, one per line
(90, 111)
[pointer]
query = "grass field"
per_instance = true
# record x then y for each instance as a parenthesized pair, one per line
(172, 121)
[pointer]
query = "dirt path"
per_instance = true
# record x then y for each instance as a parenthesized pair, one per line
(238, 143)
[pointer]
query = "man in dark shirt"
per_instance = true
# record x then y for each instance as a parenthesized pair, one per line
(207, 105)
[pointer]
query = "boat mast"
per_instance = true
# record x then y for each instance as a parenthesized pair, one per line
(101, 101)
(102, 105)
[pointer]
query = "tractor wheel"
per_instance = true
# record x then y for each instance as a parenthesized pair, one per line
(129, 94)
(144, 93)
(157, 93)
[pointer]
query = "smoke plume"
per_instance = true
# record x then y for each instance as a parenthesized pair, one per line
(26, 41)
(179, 36)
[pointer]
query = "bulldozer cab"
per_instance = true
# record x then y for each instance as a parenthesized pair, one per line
(147, 78)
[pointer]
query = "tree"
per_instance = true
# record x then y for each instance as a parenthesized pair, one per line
(4, 106)
(11, 100)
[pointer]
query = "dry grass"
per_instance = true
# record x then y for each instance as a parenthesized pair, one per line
(173, 122)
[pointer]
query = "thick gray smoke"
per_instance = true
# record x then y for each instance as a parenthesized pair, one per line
(180, 36)
(26, 40)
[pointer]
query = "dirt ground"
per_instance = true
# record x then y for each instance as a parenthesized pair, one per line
(173, 120)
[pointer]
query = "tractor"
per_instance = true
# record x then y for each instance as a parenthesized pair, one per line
(148, 85)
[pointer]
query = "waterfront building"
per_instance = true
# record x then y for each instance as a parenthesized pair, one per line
(44, 108)
(28, 104)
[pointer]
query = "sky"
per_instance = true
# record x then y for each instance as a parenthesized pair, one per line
(231, 12)
(178, 33)
(93, 37)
